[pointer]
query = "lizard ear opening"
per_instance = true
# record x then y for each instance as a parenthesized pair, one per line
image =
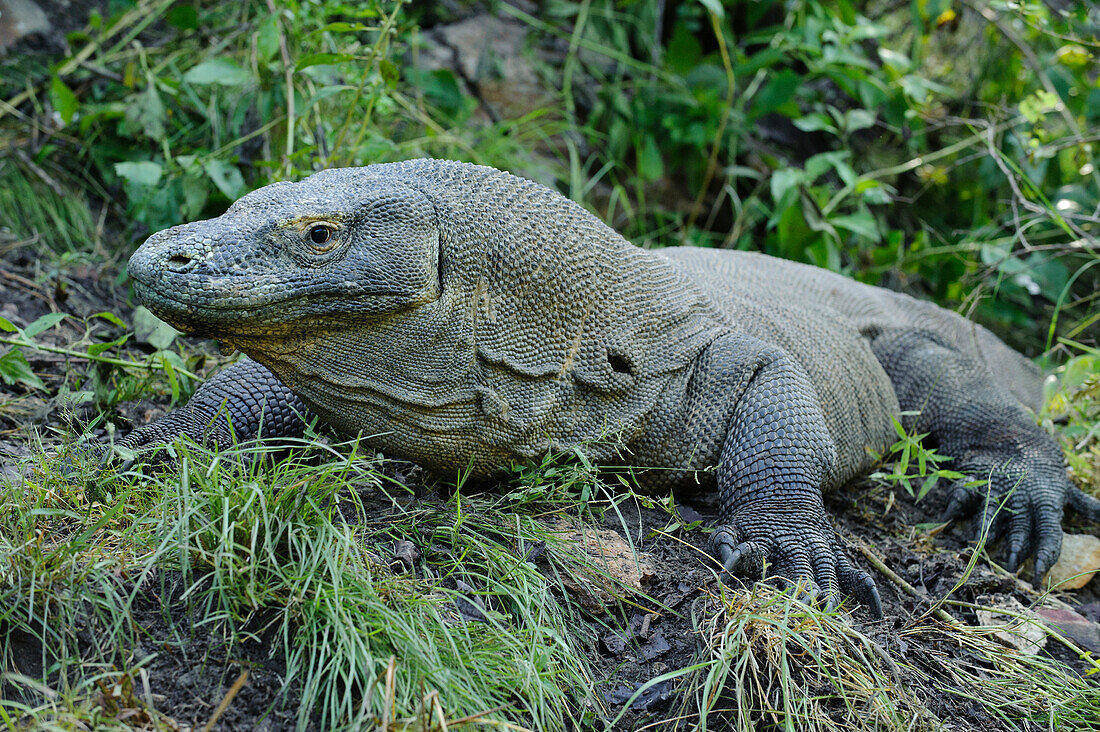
(620, 362)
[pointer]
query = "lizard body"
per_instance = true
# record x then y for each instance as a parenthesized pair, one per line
(463, 318)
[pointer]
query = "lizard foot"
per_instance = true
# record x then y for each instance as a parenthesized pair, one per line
(809, 552)
(1022, 506)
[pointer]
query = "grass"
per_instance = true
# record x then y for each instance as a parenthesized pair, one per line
(770, 661)
(289, 552)
(60, 221)
(294, 552)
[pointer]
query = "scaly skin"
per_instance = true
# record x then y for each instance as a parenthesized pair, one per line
(464, 319)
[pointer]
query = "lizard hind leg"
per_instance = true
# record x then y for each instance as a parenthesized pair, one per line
(993, 439)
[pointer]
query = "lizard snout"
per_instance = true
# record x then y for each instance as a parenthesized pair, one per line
(167, 252)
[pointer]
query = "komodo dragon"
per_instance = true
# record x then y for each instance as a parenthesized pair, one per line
(464, 318)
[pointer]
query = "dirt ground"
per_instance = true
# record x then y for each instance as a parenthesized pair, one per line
(193, 668)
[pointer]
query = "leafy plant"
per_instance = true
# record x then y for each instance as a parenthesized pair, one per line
(911, 462)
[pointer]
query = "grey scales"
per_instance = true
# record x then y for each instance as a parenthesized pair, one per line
(465, 319)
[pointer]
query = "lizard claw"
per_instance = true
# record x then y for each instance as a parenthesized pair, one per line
(738, 558)
(1023, 507)
(962, 503)
(812, 555)
(859, 584)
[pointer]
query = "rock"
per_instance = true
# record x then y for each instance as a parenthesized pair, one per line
(405, 555)
(19, 18)
(1080, 560)
(1091, 610)
(688, 514)
(657, 646)
(614, 643)
(620, 572)
(1021, 628)
(651, 698)
(1074, 626)
(489, 54)
(469, 605)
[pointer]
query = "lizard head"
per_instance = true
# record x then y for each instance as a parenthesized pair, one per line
(339, 247)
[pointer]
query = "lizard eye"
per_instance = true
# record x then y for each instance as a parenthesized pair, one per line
(321, 234)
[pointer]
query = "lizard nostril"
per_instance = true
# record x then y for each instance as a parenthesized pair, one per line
(180, 262)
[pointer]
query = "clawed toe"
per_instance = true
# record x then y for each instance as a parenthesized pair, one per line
(817, 569)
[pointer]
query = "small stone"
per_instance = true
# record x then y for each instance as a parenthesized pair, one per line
(1080, 560)
(405, 555)
(469, 605)
(614, 643)
(657, 646)
(1091, 610)
(1074, 626)
(622, 571)
(19, 18)
(688, 514)
(1021, 628)
(651, 697)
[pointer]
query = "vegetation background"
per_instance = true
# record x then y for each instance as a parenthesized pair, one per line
(945, 148)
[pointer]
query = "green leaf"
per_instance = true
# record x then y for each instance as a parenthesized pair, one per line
(821, 163)
(650, 165)
(898, 61)
(683, 51)
(341, 27)
(15, 369)
(783, 181)
(814, 122)
(221, 70)
(1073, 56)
(63, 100)
(389, 73)
(267, 38)
(927, 485)
(714, 6)
(141, 173)
(775, 93)
(146, 111)
(1036, 106)
(858, 119)
(321, 59)
(43, 323)
(861, 223)
(196, 190)
(173, 381)
(109, 317)
(226, 177)
(7, 327)
(97, 348)
(184, 17)
(150, 329)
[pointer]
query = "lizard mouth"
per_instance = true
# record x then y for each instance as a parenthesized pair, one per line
(227, 307)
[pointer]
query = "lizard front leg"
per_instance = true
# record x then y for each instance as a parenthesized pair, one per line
(240, 403)
(775, 455)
